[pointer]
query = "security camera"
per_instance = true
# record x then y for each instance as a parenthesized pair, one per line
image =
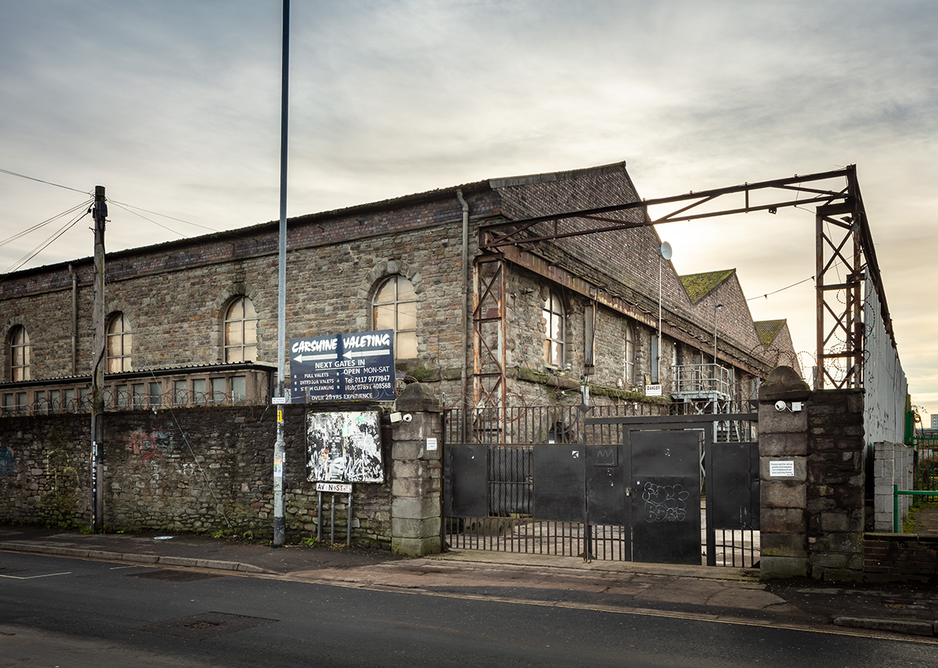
(780, 405)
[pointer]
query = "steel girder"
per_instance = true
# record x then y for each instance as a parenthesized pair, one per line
(844, 245)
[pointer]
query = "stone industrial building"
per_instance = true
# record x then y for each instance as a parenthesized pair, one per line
(194, 321)
(192, 350)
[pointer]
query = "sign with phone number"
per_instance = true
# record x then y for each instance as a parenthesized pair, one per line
(343, 367)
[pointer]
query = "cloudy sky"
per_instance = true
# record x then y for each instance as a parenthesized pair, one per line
(174, 106)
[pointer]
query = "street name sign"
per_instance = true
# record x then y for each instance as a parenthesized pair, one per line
(343, 367)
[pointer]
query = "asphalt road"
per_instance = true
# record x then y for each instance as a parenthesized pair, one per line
(69, 612)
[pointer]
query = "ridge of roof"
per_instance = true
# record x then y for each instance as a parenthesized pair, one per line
(547, 177)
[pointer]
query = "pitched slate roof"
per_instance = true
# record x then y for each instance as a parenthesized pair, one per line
(699, 286)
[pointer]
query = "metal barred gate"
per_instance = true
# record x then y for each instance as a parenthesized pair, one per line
(590, 482)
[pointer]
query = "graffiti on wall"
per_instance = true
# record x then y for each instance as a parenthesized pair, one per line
(148, 445)
(344, 447)
(7, 462)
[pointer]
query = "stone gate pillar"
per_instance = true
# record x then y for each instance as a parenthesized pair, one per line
(783, 473)
(812, 479)
(417, 473)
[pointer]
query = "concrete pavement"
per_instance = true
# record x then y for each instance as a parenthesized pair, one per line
(713, 593)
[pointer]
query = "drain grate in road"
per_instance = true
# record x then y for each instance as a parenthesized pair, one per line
(205, 626)
(170, 575)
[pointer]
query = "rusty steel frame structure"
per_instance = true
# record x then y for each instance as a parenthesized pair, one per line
(845, 257)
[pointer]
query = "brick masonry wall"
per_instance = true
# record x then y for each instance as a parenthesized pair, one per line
(199, 469)
(892, 557)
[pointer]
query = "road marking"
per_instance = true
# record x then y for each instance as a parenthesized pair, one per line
(639, 612)
(33, 577)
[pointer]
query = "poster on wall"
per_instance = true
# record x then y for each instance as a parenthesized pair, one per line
(344, 447)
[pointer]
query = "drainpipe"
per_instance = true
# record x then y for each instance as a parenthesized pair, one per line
(74, 328)
(465, 300)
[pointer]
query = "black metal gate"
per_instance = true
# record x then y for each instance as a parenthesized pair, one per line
(604, 486)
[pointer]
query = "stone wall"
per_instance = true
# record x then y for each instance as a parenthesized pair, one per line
(175, 295)
(812, 480)
(207, 470)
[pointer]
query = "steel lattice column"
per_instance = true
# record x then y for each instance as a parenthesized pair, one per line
(839, 281)
(489, 325)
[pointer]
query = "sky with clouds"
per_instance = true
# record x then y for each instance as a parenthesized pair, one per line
(174, 106)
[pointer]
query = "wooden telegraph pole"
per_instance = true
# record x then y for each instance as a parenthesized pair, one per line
(99, 360)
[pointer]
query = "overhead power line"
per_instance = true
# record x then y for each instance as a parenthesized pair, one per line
(41, 247)
(128, 208)
(123, 205)
(48, 183)
(766, 295)
(16, 236)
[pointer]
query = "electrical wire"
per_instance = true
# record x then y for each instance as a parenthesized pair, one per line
(145, 218)
(45, 222)
(218, 503)
(766, 295)
(41, 247)
(48, 183)
(156, 213)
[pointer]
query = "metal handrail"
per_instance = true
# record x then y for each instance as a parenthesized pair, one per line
(896, 492)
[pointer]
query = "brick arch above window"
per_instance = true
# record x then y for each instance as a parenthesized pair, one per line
(374, 279)
(384, 269)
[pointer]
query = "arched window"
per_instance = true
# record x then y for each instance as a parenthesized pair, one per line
(395, 307)
(20, 362)
(553, 317)
(629, 353)
(119, 343)
(241, 331)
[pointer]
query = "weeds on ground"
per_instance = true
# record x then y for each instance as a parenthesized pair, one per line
(910, 525)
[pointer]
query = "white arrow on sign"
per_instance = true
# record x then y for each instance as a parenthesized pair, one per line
(367, 353)
(313, 358)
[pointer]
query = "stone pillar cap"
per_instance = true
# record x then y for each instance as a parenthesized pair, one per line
(784, 383)
(418, 398)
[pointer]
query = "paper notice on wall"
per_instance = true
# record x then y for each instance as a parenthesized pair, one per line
(782, 469)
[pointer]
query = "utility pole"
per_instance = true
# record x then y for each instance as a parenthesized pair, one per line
(99, 359)
(279, 447)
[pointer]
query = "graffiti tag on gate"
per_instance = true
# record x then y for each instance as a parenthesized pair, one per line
(664, 503)
(150, 444)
